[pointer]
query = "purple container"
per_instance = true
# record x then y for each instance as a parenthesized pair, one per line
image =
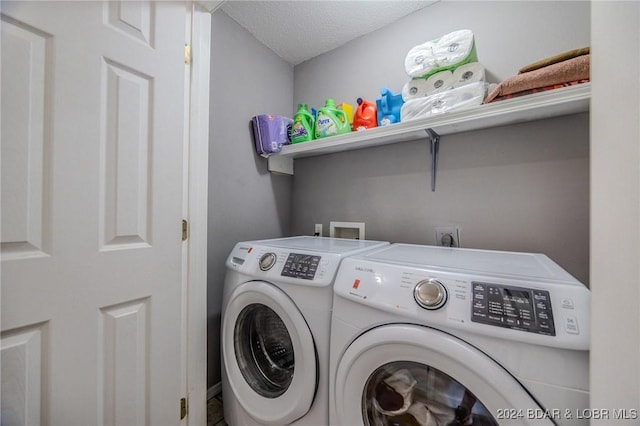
(270, 132)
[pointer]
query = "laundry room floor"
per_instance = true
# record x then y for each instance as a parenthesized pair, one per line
(215, 415)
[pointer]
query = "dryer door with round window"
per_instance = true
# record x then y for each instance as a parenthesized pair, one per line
(269, 354)
(414, 375)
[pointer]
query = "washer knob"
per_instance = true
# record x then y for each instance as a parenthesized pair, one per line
(430, 294)
(267, 261)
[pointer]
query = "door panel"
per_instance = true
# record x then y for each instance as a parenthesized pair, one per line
(122, 383)
(125, 145)
(132, 18)
(23, 357)
(25, 171)
(92, 143)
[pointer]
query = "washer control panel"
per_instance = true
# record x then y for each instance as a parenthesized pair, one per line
(299, 265)
(303, 260)
(284, 266)
(512, 307)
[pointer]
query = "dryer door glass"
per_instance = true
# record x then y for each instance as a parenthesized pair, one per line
(264, 350)
(411, 393)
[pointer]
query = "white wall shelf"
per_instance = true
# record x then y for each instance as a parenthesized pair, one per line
(537, 106)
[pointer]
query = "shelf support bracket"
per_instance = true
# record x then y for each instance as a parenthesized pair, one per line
(435, 147)
(280, 164)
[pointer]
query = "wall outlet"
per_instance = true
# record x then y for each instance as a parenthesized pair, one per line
(318, 230)
(448, 236)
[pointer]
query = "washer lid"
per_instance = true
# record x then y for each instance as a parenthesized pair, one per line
(268, 354)
(483, 262)
(414, 373)
(339, 246)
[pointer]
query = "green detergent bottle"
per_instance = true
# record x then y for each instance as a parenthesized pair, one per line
(331, 121)
(302, 128)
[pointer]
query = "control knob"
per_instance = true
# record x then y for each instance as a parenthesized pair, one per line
(430, 294)
(267, 261)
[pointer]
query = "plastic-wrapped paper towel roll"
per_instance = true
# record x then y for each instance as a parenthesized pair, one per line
(468, 73)
(420, 87)
(447, 52)
(414, 88)
(460, 98)
(439, 82)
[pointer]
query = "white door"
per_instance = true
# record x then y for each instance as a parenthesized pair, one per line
(92, 145)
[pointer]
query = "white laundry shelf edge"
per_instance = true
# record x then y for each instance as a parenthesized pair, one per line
(537, 106)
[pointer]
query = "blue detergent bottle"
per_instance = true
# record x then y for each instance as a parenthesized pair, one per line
(389, 105)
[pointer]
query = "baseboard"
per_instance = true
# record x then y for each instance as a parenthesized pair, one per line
(214, 390)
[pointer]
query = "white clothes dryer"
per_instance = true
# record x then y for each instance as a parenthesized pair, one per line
(425, 335)
(276, 320)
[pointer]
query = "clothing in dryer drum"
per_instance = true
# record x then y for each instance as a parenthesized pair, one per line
(414, 394)
(264, 350)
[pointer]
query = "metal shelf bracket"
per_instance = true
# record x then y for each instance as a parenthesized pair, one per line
(435, 147)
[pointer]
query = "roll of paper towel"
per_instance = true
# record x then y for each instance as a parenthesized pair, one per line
(463, 97)
(414, 88)
(447, 52)
(439, 82)
(468, 73)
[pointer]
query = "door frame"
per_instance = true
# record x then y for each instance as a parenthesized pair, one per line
(195, 206)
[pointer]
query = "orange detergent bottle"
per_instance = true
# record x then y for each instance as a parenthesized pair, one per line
(366, 115)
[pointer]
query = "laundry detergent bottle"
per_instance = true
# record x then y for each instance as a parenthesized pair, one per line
(302, 128)
(331, 121)
(366, 115)
(389, 105)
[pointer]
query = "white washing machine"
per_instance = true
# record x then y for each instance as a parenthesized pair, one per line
(425, 335)
(276, 320)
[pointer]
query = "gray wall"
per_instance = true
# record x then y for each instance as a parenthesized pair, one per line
(508, 35)
(523, 187)
(245, 201)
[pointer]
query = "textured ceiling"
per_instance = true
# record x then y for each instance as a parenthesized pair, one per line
(300, 30)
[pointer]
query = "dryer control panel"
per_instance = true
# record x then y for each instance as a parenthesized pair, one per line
(512, 307)
(515, 296)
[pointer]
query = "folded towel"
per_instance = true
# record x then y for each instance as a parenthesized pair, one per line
(538, 90)
(555, 59)
(561, 72)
